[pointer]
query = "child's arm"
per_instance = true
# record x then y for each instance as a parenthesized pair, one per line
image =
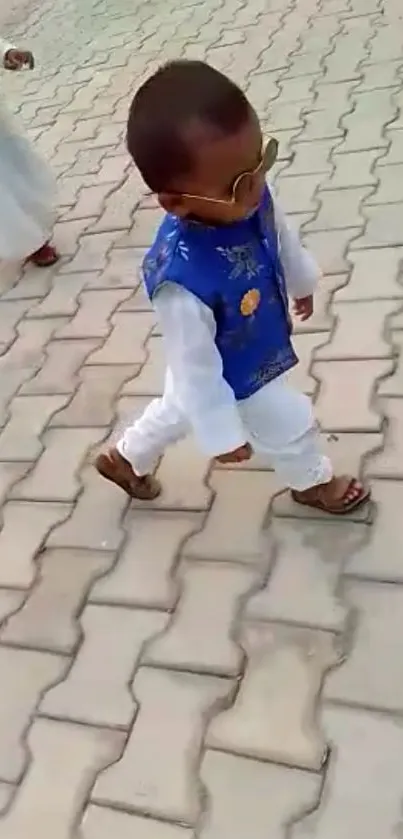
(188, 328)
(301, 270)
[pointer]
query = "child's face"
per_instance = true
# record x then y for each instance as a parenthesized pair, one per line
(228, 176)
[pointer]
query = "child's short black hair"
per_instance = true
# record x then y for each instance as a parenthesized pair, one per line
(178, 94)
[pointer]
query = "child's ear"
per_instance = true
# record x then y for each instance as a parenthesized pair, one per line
(172, 203)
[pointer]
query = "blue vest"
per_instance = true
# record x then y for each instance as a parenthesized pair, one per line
(236, 271)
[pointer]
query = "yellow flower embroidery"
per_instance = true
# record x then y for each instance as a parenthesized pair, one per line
(250, 302)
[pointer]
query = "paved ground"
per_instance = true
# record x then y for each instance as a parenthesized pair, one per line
(174, 671)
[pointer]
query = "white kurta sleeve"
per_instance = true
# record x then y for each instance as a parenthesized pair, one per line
(301, 270)
(4, 48)
(209, 403)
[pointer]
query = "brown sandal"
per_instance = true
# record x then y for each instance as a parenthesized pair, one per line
(46, 256)
(353, 497)
(113, 467)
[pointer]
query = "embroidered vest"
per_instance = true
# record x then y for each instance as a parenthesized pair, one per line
(236, 271)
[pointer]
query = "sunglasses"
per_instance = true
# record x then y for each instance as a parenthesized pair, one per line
(244, 185)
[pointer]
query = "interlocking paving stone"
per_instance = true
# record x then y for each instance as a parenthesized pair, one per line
(273, 717)
(368, 748)
(176, 705)
(106, 604)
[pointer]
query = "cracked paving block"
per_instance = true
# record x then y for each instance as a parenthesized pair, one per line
(91, 254)
(200, 638)
(374, 276)
(390, 189)
(143, 574)
(24, 531)
(356, 380)
(48, 618)
(59, 372)
(371, 675)
(274, 715)
(353, 169)
(367, 748)
(388, 463)
(66, 758)
(29, 417)
(24, 676)
(96, 690)
(122, 271)
(322, 318)
(54, 476)
(303, 583)
(306, 345)
(94, 401)
(384, 227)
(102, 823)
(63, 298)
(150, 380)
(232, 531)
(126, 341)
(96, 520)
(145, 226)
(339, 209)
(298, 193)
(93, 318)
(359, 332)
(242, 793)
(176, 706)
(329, 247)
(380, 555)
(11, 312)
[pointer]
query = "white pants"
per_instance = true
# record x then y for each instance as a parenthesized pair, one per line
(278, 422)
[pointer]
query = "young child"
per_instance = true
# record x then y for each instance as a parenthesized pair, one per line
(27, 188)
(219, 274)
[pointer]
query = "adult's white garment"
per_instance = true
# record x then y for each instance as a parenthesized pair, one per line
(27, 188)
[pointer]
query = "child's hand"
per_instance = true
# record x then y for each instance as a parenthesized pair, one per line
(17, 59)
(244, 452)
(303, 308)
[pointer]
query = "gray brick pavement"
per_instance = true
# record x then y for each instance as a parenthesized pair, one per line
(215, 664)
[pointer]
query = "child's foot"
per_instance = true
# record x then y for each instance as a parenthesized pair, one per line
(340, 496)
(46, 256)
(112, 466)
